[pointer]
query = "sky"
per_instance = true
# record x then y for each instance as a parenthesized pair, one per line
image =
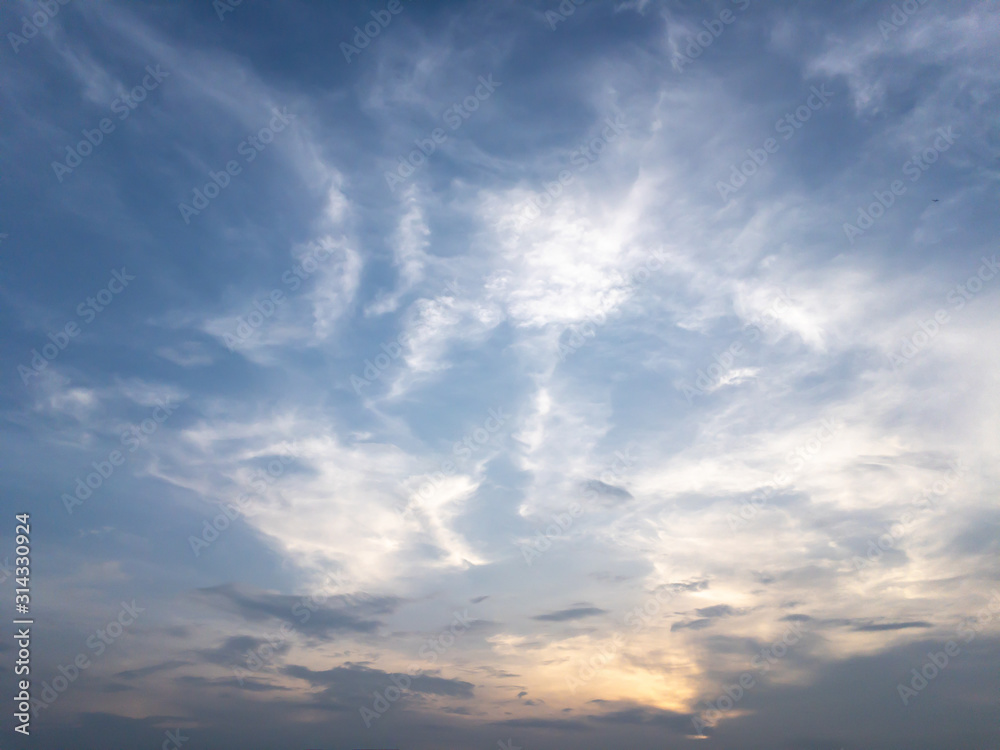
(520, 375)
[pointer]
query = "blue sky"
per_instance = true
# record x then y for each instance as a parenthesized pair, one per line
(552, 375)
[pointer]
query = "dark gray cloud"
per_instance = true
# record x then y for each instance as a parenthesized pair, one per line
(133, 674)
(307, 614)
(717, 610)
(233, 683)
(116, 687)
(562, 725)
(234, 650)
(869, 625)
(676, 588)
(498, 673)
(877, 626)
(353, 684)
(564, 615)
(691, 625)
(607, 491)
(641, 715)
(948, 712)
